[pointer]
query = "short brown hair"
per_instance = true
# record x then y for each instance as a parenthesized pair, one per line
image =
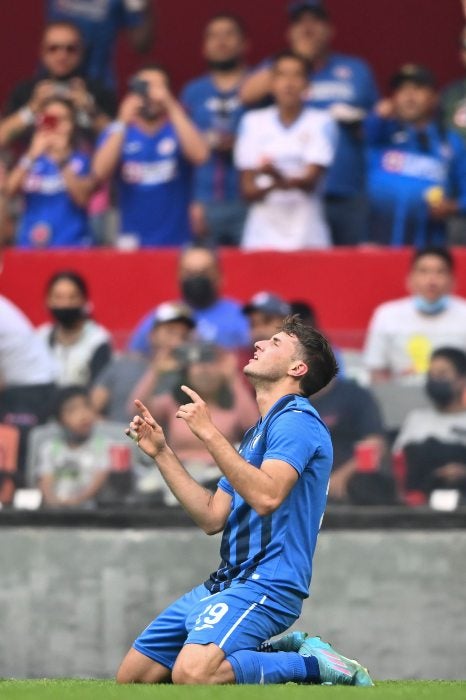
(316, 353)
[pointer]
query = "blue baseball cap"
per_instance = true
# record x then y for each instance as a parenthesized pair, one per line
(267, 303)
(297, 7)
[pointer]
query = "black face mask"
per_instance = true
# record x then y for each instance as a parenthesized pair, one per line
(199, 291)
(226, 65)
(440, 391)
(67, 316)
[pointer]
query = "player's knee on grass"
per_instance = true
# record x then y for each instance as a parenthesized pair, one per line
(198, 665)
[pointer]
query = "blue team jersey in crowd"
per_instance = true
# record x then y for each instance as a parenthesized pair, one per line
(99, 22)
(218, 112)
(51, 219)
(153, 187)
(348, 80)
(222, 323)
(276, 551)
(403, 164)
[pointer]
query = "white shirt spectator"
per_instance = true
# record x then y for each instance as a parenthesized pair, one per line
(428, 423)
(24, 357)
(285, 219)
(79, 362)
(401, 339)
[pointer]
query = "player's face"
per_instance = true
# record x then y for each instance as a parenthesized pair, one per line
(430, 278)
(78, 416)
(413, 102)
(223, 41)
(61, 51)
(309, 36)
(273, 358)
(263, 325)
(289, 82)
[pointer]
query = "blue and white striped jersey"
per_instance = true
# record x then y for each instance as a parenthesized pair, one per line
(275, 552)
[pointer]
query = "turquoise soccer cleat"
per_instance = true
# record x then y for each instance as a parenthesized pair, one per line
(292, 641)
(334, 668)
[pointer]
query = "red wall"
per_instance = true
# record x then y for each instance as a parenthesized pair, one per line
(386, 32)
(344, 285)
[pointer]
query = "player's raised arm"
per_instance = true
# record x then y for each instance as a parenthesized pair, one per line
(263, 489)
(209, 511)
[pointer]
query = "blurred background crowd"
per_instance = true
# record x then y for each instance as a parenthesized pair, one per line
(301, 151)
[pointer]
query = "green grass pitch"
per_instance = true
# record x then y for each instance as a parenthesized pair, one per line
(108, 690)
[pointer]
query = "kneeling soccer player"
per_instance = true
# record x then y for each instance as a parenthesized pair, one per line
(269, 505)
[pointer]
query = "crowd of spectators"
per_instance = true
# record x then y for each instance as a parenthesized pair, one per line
(299, 152)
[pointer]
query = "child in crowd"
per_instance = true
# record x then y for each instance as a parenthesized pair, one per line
(73, 466)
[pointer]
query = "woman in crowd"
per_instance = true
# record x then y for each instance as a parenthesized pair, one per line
(54, 179)
(79, 345)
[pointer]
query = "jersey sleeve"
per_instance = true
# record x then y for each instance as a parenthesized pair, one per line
(225, 485)
(246, 153)
(294, 438)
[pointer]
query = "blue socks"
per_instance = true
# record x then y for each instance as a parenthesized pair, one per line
(255, 667)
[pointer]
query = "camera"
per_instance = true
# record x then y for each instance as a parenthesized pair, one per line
(139, 87)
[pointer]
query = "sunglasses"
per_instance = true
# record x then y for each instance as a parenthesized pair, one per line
(67, 48)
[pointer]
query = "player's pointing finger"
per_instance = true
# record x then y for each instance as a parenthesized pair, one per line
(191, 393)
(144, 412)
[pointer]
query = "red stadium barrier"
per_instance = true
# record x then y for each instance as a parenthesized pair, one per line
(344, 285)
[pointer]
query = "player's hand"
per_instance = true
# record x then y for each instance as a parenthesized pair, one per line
(146, 432)
(196, 414)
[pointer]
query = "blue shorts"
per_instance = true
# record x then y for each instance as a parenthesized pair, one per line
(240, 617)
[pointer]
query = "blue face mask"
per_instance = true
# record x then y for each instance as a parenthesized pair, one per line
(431, 308)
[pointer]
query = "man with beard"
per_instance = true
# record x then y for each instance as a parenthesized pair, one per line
(269, 504)
(150, 148)
(217, 212)
(218, 320)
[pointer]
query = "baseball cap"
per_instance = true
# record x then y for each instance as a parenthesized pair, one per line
(268, 303)
(414, 73)
(297, 7)
(173, 311)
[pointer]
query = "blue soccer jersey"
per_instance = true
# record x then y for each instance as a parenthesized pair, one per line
(51, 218)
(275, 552)
(215, 113)
(344, 80)
(153, 187)
(404, 164)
